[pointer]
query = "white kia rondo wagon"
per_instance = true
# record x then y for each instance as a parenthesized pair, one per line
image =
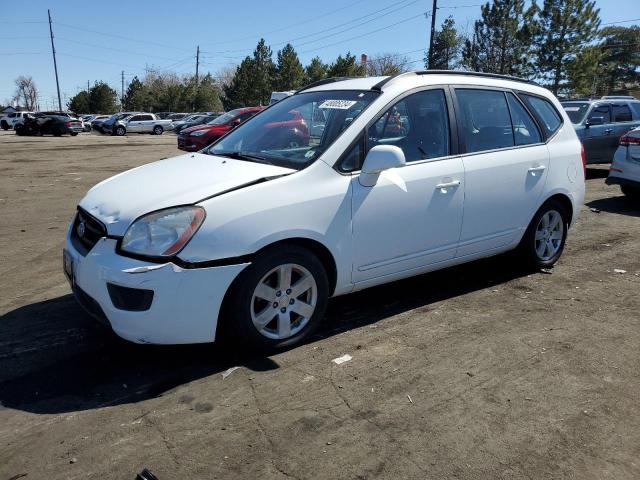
(346, 184)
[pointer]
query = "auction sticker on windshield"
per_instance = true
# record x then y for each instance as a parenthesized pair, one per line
(338, 104)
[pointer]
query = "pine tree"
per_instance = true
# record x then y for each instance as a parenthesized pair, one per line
(316, 70)
(620, 48)
(134, 99)
(566, 26)
(79, 103)
(263, 73)
(346, 67)
(239, 92)
(290, 72)
(446, 47)
(501, 40)
(102, 98)
(585, 71)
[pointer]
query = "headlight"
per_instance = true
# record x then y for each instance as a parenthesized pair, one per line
(198, 133)
(163, 233)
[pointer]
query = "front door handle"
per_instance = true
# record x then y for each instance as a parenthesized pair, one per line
(452, 184)
(539, 168)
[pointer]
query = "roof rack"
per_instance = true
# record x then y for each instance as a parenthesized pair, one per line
(324, 81)
(476, 74)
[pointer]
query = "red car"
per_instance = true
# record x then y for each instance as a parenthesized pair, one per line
(196, 138)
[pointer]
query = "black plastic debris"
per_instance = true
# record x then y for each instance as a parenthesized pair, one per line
(146, 475)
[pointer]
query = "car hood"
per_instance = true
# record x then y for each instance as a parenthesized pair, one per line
(203, 127)
(182, 180)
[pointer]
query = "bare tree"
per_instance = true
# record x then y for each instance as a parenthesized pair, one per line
(387, 64)
(225, 75)
(26, 92)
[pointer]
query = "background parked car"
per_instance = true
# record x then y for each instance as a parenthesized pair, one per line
(196, 138)
(141, 123)
(56, 125)
(277, 96)
(107, 126)
(600, 124)
(625, 168)
(89, 119)
(195, 120)
(176, 116)
(11, 119)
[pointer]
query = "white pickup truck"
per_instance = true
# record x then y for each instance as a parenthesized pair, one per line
(142, 123)
(11, 119)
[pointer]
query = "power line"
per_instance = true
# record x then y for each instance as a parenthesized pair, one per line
(366, 34)
(293, 40)
(94, 45)
(622, 21)
(297, 24)
(122, 37)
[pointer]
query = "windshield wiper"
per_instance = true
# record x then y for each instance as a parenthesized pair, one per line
(237, 155)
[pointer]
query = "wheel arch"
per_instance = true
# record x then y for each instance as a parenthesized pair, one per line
(565, 201)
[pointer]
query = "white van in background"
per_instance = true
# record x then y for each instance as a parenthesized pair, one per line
(277, 96)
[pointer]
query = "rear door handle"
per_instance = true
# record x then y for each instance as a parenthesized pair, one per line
(452, 184)
(608, 131)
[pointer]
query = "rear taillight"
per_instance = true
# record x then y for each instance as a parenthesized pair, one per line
(68, 124)
(584, 159)
(627, 140)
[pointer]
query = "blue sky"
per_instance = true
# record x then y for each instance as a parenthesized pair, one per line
(97, 40)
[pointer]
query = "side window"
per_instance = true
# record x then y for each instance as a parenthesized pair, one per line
(418, 124)
(621, 113)
(353, 159)
(136, 118)
(246, 116)
(485, 119)
(525, 130)
(601, 111)
(546, 112)
(635, 106)
(147, 117)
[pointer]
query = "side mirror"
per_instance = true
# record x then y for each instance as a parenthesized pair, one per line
(379, 159)
(595, 121)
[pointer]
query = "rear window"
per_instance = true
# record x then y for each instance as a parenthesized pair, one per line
(621, 113)
(576, 111)
(545, 111)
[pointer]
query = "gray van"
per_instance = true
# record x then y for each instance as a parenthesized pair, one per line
(600, 123)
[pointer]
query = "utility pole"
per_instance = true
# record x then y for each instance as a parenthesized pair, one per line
(433, 32)
(55, 65)
(122, 92)
(197, 62)
(88, 87)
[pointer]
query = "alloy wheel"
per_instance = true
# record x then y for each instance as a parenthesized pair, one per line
(549, 235)
(284, 301)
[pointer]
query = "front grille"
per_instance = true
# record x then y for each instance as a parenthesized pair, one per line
(92, 231)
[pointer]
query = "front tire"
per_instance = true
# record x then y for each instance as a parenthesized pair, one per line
(279, 300)
(4, 125)
(120, 131)
(544, 240)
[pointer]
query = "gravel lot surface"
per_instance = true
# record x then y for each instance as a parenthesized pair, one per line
(476, 372)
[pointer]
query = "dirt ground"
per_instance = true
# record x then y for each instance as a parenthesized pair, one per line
(476, 372)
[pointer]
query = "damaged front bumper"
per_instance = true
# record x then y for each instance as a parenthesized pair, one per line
(148, 302)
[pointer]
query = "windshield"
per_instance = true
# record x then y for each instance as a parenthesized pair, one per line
(224, 118)
(576, 111)
(294, 132)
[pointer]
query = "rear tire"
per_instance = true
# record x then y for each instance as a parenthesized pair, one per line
(278, 301)
(73, 134)
(4, 125)
(631, 192)
(157, 130)
(543, 242)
